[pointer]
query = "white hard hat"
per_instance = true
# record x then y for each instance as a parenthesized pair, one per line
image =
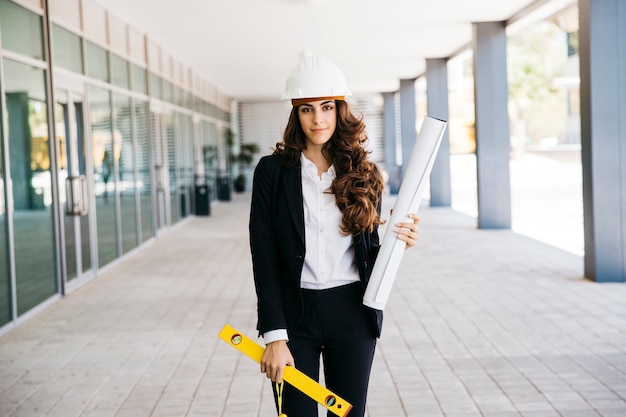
(316, 77)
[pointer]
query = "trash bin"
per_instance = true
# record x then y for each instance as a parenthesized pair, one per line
(183, 201)
(203, 200)
(223, 188)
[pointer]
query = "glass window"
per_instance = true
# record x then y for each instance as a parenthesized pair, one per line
(72, 163)
(20, 30)
(29, 156)
(140, 84)
(194, 103)
(144, 181)
(167, 91)
(173, 131)
(185, 168)
(184, 98)
(67, 49)
(5, 288)
(155, 86)
(119, 68)
(209, 151)
(33, 4)
(197, 104)
(178, 96)
(104, 163)
(126, 168)
(63, 132)
(214, 111)
(97, 62)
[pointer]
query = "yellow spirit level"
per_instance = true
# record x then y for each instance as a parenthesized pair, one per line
(307, 385)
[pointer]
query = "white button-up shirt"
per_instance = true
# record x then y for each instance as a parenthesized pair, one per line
(329, 260)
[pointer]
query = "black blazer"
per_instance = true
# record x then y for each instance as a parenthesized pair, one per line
(277, 246)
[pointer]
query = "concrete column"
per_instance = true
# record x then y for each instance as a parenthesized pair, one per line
(407, 120)
(492, 125)
(389, 139)
(603, 136)
(437, 102)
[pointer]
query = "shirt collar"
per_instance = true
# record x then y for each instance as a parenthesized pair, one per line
(311, 169)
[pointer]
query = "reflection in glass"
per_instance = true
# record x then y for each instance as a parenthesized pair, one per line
(31, 184)
(126, 180)
(72, 166)
(81, 154)
(226, 151)
(5, 288)
(171, 166)
(63, 135)
(185, 171)
(144, 182)
(209, 147)
(104, 162)
(157, 160)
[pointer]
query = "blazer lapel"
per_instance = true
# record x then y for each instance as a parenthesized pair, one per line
(292, 183)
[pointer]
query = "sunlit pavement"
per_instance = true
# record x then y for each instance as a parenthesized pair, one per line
(479, 324)
(546, 196)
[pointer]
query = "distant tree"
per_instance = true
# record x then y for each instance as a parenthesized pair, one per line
(537, 105)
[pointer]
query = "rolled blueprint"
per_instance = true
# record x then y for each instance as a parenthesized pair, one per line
(408, 201)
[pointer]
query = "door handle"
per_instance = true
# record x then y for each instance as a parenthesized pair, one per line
(77, 196)
(158, 169)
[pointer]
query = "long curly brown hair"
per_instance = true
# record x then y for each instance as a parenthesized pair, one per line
(359, 184)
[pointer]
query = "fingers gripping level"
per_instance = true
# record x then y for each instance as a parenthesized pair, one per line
(299, 380)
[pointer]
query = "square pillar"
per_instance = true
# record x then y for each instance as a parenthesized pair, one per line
(492, 125)
(390, 143)
(407, 120)
(603, 137)
(437, 102)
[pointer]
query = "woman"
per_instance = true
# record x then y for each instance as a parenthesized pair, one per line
(313, 236)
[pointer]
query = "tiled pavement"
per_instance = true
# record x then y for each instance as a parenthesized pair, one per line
(480, 324)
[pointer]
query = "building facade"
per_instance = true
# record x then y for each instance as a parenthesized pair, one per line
(105, 139)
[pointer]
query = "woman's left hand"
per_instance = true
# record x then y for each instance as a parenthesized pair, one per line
(408, 232)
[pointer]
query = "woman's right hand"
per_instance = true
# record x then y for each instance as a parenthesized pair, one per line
(276, 356)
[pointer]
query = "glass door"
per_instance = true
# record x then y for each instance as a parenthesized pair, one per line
(161, 169)
(30, 197)
(75, 193)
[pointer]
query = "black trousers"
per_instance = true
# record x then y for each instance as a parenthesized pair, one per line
(335, 327)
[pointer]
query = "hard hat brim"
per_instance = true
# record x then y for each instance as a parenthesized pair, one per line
(300, 101)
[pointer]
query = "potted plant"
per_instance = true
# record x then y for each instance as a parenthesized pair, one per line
(241, 156)
(240, 183)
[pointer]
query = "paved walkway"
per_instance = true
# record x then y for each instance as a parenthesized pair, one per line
(479, 324)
